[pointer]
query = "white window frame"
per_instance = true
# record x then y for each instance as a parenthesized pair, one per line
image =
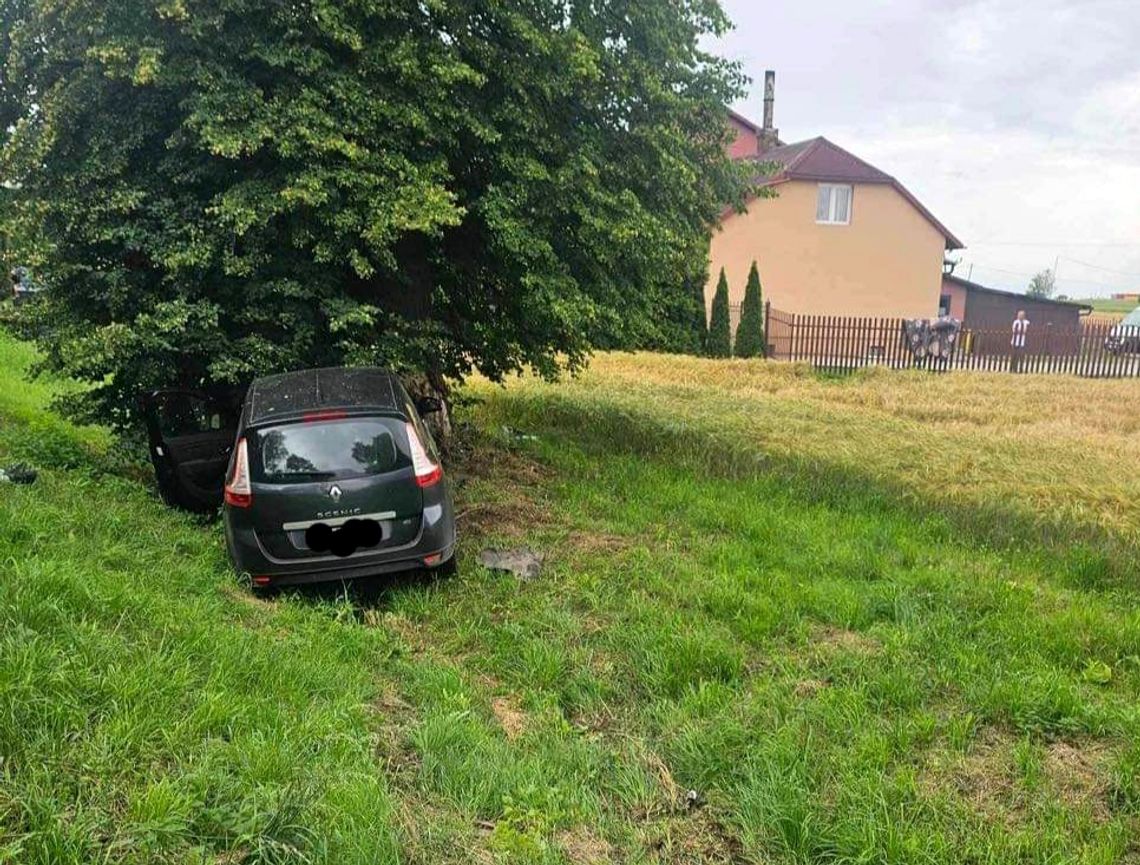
(832, 203)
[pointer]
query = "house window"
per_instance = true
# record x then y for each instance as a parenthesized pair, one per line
(944, 305)
(833, 207)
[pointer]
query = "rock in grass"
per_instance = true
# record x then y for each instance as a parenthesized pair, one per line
(523, 563)
(512, 434)
(18, 473)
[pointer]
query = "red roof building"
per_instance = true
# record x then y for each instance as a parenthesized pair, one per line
(831, 233)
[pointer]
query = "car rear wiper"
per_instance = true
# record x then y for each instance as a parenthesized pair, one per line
(312, 476)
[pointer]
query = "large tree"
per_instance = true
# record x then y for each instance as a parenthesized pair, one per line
(217, 189)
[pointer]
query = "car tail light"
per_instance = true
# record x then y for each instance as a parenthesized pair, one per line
(239, 494)
(262, 581)
(433, 560)
(427, 471)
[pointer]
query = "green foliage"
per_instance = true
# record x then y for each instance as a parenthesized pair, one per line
(720, 324)
(1042, 285)
(218, 189)
(673, 321)
(750, 330)
(693, 325)
(679, 324)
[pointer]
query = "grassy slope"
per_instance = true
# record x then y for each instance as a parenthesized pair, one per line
(837, 679)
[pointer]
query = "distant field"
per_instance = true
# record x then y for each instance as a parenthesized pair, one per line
(1109, 306)
(782, 619)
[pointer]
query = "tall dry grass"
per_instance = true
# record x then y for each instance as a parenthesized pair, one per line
(1058, 447)
(1107, 317)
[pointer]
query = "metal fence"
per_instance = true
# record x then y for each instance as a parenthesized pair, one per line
(845, 343)
(733, 320)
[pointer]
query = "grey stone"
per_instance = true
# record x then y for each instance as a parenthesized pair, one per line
(523, 563)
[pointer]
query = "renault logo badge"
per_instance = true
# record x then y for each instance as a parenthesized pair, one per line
(335, 493)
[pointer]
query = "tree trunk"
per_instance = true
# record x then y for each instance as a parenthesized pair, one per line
(438, 423)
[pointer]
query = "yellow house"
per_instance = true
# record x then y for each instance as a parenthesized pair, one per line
(841, 237)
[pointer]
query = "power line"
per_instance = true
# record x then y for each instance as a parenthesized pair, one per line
(1025, 275)
(1098, 267)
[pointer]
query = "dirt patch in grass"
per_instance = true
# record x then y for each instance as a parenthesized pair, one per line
(391, 704)
(502, 464)
(590, 542)
(990, 780)
(985, 777)
(696, 837)
(231, 857)
(671, 788)
(808, 688)
(513, 506)
(826, 639)
(432, 832)
(511, 519)
(512, 719)
(583, 847)
(394, 716)
(1077, 774)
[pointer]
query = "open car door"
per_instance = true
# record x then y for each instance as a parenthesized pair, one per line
(191, 438)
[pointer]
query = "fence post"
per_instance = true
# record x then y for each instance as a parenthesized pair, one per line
(767, 326)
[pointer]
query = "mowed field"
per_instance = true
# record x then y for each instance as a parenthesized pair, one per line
(1105, 309)
(1109, 305)
(782, 618)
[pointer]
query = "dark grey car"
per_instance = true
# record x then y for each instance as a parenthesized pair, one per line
(325, 474)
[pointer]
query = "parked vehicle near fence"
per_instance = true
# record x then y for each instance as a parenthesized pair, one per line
(322, 474)
(24, 287)
(846, 343)
(1125, 334)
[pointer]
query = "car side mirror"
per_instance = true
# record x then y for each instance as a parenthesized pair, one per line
(429, 405)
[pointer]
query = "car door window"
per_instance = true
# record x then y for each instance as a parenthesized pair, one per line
(186, 414)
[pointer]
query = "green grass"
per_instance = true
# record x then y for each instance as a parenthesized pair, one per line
(1107, 304)
(841, 668)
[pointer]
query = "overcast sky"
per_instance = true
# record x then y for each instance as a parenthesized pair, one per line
(1016, 122)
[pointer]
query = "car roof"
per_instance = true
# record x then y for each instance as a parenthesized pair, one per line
(292, 394)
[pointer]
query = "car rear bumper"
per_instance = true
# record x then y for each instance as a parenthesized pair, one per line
(432, 547)
(372, 569)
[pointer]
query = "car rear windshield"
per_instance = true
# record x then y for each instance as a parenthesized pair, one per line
(329, 450)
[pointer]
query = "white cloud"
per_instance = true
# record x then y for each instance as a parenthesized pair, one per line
(1016, 123)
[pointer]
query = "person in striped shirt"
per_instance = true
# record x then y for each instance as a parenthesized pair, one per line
(1017, 340)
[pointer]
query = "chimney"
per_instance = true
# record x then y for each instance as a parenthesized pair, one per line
(769, 136)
